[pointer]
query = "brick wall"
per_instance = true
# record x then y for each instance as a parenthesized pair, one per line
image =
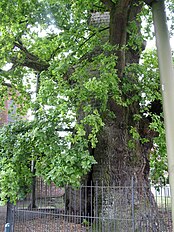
(4, 115)
(98, 18)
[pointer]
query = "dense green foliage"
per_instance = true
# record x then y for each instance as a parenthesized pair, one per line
(51, 38)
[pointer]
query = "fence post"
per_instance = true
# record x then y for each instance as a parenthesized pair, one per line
(133, 213)
(7, 227)
(9, 217)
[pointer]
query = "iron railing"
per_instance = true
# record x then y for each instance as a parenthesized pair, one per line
(93, 208)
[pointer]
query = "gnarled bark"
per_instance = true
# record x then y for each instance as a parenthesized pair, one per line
(117, 164)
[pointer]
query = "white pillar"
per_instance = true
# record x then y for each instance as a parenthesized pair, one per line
(167, 84)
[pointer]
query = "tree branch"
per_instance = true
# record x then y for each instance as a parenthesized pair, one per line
(99, 7)
(30, 60)
(7, 84)
(87, 56)
(87, 39)
(54, 52)
(149, 2)
(108, 3)
(27, 53)
(3, 82)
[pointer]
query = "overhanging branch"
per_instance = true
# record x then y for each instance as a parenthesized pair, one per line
(29, 60)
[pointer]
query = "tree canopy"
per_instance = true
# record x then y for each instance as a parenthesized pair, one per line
(61, 44)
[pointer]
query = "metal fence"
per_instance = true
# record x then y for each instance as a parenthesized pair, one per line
(93, 208)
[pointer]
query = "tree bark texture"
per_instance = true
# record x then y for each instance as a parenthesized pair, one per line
(117, 164)
(121, 162)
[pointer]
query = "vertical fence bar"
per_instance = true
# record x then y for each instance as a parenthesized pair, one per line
(145, 206)
(107, 208)
(151, 208)
(102, 214)
(96, 209)
(80, 200)
(75, 206)
(133, 212)
(120, 213)
(91, 204)
(115, 213)
(10, 217)
(93, 224)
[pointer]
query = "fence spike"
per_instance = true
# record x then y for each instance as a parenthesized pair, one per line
(7, 227)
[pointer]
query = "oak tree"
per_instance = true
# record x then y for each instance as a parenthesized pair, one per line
(96, 83)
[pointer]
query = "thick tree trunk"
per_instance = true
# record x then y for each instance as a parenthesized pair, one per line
(122, 163)
(117, 164)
